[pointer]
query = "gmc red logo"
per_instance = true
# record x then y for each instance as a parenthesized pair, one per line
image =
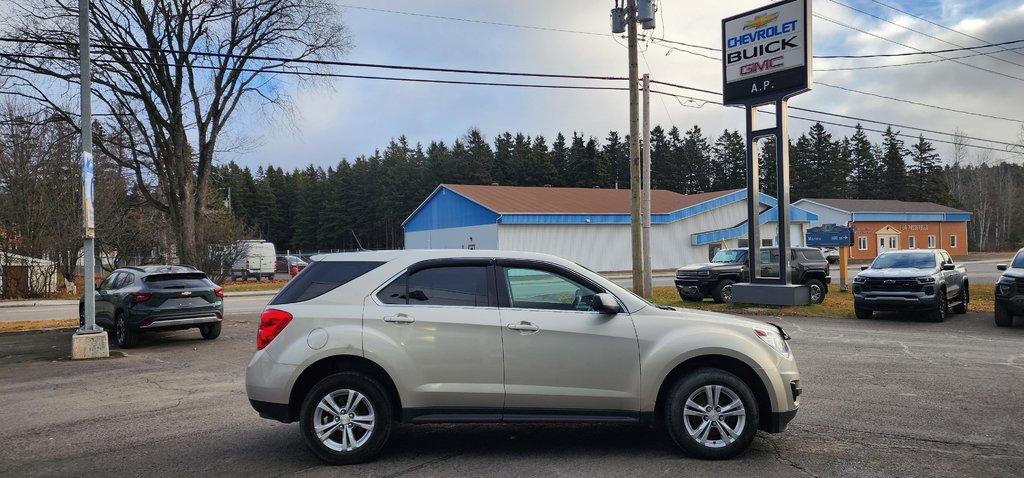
(764, 65)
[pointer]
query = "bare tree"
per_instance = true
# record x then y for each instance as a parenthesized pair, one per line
(168, 75)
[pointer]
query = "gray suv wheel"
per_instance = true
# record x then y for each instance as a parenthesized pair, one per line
(346, 419)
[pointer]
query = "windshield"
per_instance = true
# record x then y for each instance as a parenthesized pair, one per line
(1018, 262)
(916, 260)
(729, 256)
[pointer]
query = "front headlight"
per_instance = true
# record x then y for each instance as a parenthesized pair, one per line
(774, 339)
(1004, 288)
(704, 273)
(859, 280)
(925, 280)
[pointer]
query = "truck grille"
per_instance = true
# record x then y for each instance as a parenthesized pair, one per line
(689, 274)
(1020, 286)
(892, 285)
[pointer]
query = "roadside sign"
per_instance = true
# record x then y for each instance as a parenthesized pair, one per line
(767, 53)
(830, 235)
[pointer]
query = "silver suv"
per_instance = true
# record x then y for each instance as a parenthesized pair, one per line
(359, 340)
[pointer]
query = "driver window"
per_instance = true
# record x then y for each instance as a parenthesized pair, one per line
(537, 289)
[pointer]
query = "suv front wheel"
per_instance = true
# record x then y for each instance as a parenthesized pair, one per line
(346, 419)
(711, 414)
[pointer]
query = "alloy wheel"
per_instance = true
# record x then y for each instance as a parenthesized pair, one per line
(344, 420)
(714, 416)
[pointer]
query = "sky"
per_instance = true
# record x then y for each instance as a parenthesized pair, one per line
(354, 117)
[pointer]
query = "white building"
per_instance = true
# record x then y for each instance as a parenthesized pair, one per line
(590, 226)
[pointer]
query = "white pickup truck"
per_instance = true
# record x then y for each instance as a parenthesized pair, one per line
(917, 280)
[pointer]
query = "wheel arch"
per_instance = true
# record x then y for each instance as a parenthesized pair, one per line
(722, 362)
(340, 363)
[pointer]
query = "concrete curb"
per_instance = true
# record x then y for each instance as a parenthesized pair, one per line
(38, 303)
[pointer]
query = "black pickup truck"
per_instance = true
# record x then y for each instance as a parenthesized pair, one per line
(729, 266)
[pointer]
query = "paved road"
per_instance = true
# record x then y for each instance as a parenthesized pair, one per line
(889, 397)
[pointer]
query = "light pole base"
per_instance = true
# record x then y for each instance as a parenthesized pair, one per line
(89, 346)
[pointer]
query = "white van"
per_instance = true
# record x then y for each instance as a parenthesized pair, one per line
(255, 259)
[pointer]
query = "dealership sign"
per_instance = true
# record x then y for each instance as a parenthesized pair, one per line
(767, 53)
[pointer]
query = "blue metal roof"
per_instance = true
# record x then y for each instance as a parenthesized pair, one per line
(771, 215)
(445, 209)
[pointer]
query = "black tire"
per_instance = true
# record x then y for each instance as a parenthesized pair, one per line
(1003, 317)
(963, 298)
(703, 433)
(691, 298)
(938, 313)
(374, 403)
(817, 290)
(81, 315)
(723, 291)
(210, 331)
(863, 314)
(125, 335)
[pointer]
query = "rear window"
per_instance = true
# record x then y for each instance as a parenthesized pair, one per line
(191, 280)
(321, 277)
(812, 254)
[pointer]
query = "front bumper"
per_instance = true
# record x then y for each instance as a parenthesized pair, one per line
(694, 286)
(893, 300)
(1014, 304)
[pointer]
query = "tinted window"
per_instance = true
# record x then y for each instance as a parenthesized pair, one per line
(812, 254)
(920, 260)
(729, 256)
(108, 283)
(192, 280)
(460, 285)
(394, 293)
(537, 289)
(1018, 262)
(125, 280)
(321, 277)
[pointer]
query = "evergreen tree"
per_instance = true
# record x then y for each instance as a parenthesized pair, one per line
(479, 158)
(559, 157)
(926, 178)
(766, 165)
(864, 167)
(697, 154)
(730, 154)
(663, 164)
(893, 181)
(504, 161)
(616, 155)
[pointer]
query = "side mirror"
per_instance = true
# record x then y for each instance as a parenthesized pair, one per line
(863, 268)
(1001, 267)
(605, 303)
(948, 267)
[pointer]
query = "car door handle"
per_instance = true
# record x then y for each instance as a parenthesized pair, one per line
(524, 326)
(399, 319)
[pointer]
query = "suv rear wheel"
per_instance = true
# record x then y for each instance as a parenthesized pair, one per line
(346, 419)
(126, 336)
(210, 331)
(711, 414)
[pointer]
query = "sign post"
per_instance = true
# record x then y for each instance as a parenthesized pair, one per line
(766, 60)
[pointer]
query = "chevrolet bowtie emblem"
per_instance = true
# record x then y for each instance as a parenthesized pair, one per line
(760, 21)
(186, 293)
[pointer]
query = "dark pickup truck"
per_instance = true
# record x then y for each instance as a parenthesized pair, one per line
(729, 266)
(1010, 291)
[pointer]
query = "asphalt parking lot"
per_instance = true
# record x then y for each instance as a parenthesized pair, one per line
(895, 396)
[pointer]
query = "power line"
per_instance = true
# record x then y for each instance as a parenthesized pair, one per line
(817, 15)
(466, 20)
(932, 52)
(939, 25)
(866, 120)
(837, 2)
(954, 110)
(923, 62)
(842, 125)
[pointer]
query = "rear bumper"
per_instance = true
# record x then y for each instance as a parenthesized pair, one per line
(185, 322)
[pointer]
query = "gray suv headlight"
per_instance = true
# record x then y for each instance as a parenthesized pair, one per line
(925, 280)
(1004, 287)
(858, 280)
(774, 339)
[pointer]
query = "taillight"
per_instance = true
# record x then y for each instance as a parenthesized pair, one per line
(140, 296)
(272, 322)
(219, 292)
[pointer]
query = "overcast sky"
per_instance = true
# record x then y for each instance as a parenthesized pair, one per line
(356, 117)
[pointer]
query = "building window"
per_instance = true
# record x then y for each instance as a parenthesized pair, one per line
(894, 242)
(862, 243)
(952, 241)
(911, 242)
(931, 242)
(881, 243)
(767, 242)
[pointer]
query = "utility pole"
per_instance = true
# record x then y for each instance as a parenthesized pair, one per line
(89, 340)
(648, 288)
(634, 152)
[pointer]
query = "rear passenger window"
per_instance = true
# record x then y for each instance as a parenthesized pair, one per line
(457, 285)
(812, 255)
(319, 278)
(195, 280)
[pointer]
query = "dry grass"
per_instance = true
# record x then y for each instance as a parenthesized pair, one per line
(38, 324)
(837, 304)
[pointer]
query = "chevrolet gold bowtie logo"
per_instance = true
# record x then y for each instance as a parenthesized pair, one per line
(186, 293)
(761, 20)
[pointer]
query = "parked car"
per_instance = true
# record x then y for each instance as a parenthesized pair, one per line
(913, 280)
(831, 254)
(287, 263)
(729, 266)
(133, 300)
(256, 258)
(359, 340)
(1010, 291)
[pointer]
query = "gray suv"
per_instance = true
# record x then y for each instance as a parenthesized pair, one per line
(360, 340)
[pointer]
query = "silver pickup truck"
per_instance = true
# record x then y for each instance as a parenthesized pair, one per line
(914, 280)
